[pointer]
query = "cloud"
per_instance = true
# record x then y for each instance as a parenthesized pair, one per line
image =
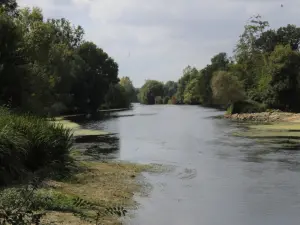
(156, 39)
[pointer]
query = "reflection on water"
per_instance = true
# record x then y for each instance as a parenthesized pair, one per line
(217, 178)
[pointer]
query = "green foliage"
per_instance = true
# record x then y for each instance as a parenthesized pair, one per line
(166, 100)
(170, 89)
(26, 205)
(117, 97)
(264, 71)
(226, 88)
(283, 91)
(28, 144)
(18, 205)
(158, 100)
(193, 93)
(130, 91)
(150, 90)
(47, 67)
(246, 107)
(189, 73)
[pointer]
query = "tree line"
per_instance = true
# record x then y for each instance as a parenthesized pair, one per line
(264, 72)
(47, 67)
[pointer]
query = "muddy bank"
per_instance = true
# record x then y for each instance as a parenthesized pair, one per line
(265, 117)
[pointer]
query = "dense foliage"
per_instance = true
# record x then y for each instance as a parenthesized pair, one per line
(46, 66)
(264, 70)
(28, 144)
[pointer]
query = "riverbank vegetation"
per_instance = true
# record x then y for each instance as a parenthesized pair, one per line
(45, 180)
(262, 73)
(48, 68)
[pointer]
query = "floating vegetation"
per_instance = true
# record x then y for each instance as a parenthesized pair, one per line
(76, 128)
(283, 135)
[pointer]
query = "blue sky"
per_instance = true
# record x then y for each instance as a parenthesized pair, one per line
(156, 39)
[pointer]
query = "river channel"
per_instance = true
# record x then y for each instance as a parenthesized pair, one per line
(217, 178)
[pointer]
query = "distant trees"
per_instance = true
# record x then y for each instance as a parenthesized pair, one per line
(129, 89)
(265, 68)
(150, 90)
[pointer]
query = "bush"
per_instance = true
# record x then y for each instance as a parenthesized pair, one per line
(246, 107)
(158, 100)
(166, 100)
(29, 143)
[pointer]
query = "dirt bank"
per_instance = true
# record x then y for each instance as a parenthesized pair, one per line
(265, 117)
(105, 188)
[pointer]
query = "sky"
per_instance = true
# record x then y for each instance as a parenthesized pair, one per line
(157, 39)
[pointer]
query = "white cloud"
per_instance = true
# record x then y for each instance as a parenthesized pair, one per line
(164, 36)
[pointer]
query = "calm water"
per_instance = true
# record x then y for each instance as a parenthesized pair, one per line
(218, 179)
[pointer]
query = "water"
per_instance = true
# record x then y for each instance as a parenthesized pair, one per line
(218, 179)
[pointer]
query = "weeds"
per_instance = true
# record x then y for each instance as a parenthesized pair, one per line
(29, 143)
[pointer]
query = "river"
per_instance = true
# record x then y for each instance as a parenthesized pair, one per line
(217, 179)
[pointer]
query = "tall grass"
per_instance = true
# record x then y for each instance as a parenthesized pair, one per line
(29, 143)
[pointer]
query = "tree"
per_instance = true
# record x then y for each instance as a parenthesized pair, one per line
(226, 88)
(192, 93)
(188, 74)
(10, 61)
(117, 97)
(158, 100)
(98, 71)
(129, 88)
(220, 61)
(170, 88)
(150, 90)
(46, 67)
(8, 6)
(284, 87)
(246, 47)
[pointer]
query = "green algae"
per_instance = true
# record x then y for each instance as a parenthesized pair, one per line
(278, 127)
(76, 128)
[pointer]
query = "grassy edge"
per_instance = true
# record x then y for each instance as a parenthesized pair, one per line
(100, 186)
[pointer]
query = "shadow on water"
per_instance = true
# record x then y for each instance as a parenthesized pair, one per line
(96, 147)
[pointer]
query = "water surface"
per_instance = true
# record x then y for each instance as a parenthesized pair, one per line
(218, 179)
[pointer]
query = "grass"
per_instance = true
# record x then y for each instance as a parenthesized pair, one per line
(28, 144)
(100, 186)
(97, 188)
(89, 190)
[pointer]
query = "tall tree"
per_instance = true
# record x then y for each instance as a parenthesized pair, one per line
(226, 88)
(129, 89)
(170, 88)
(189, 73)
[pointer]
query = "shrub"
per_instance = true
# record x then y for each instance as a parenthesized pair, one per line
(166, 100)
(246, 107)
(29, 143)
(158, 100)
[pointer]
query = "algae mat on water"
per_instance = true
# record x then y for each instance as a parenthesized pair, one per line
(277, 131)
(76, 128)
(281, 127)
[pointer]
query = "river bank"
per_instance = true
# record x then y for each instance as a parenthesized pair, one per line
(101, 193)
(106, 185)
(265, 117)
(91, 189)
